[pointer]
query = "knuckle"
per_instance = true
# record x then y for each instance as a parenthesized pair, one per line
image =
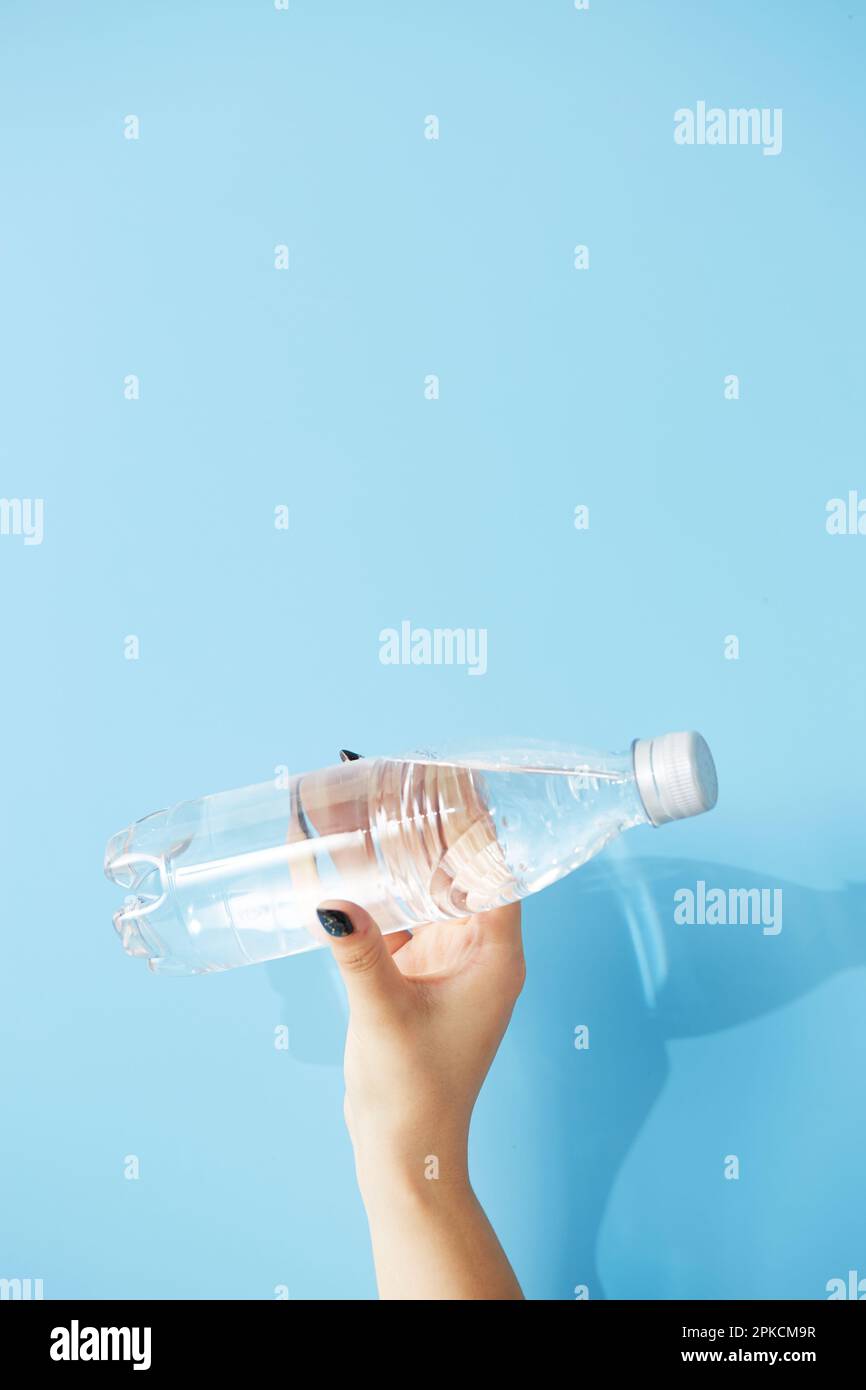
(360, 959)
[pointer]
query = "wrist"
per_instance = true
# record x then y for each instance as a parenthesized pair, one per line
(406, 1169)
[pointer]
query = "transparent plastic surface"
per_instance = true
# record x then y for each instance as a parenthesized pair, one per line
(235, 878)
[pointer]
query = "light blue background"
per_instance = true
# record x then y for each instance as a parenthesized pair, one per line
(260, 647)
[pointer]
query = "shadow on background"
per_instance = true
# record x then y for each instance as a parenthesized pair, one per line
(603, 951)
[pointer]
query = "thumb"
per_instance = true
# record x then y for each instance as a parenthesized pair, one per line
(373, 982)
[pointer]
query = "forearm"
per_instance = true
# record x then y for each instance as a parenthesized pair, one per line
(431, 1239)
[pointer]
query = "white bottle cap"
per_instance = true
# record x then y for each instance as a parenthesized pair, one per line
(675, 775)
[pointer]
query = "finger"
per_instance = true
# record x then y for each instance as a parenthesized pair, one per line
(499, 953)
(373, 982)
(395, 939)
(335, 806)
(500, 929)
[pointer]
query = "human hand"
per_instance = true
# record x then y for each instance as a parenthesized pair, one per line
(427, 1014)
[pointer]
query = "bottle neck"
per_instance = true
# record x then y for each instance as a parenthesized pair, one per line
(612, 779)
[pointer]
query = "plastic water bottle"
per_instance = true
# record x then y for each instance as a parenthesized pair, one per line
(236, 878)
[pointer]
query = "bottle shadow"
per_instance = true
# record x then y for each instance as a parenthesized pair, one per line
(605, 954)
(604, 951)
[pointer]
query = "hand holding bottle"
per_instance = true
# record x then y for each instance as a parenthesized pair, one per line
(427, 1014)
(235, 878)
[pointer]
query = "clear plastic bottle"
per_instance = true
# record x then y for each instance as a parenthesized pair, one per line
(236, 878)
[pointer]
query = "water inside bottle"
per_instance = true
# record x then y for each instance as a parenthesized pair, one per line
(236, 878)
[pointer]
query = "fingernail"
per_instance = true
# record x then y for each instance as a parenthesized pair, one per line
(347, 756)
(335, 922)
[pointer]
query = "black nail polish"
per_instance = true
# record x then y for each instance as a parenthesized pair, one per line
(346, 756)
(336, 923)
